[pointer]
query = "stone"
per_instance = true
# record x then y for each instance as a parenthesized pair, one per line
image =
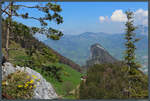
(43, 90)
(7, 69)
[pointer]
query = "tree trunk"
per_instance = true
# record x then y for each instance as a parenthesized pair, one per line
(8, 29)
(129, 83)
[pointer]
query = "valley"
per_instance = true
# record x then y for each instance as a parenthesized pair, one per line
(77, 47)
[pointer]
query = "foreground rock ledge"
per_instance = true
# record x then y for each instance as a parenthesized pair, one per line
(43, 90)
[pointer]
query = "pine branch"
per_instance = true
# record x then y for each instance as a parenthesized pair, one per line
(6, 8)
(3, 11)
(30, 6)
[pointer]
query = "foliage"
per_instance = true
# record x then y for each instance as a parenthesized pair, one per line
(118, 80)
(130, 41)
(109, 81)
(49, 10)
(40, 62)
(67, 74)
(43, 59)
(25, 50)
(67, 87)
(49, 55)
(29, 52)
(18, 85)
(130, 59)
(54, 71)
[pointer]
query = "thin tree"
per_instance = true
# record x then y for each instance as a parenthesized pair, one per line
(130, 58)
(50, 11)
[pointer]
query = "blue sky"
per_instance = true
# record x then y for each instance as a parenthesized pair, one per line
(80, 17)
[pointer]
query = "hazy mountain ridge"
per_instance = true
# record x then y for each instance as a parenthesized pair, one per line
(77, 47)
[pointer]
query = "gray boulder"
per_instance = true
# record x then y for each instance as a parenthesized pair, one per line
(43, 90)
(7, 69)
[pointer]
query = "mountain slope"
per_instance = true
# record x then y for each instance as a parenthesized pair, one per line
(26, 51)
(77, 47)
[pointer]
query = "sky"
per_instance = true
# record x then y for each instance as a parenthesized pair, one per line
(80, 17)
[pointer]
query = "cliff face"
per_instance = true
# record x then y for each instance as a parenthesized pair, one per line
(99, 55)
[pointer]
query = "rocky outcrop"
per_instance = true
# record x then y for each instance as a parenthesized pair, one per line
(99, 55)
(43, 90)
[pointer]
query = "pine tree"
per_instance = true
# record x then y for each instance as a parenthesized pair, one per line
(130, 58)
(11, 10)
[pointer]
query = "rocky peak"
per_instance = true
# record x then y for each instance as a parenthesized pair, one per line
(99, 55)
(94, 50)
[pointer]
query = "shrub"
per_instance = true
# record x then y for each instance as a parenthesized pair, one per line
(67, 87)
(18, 85)
(53, 70)
(110, 81)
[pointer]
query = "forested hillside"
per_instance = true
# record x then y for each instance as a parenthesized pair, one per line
(25, 50)
(111, 81)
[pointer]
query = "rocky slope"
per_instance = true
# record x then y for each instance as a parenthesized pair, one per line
(43, 90)
(99, 55)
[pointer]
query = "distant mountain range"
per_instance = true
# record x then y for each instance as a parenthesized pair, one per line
(142, 30)
(77, 47)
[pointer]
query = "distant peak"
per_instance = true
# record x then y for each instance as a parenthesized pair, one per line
(99, 55)
(97, 45)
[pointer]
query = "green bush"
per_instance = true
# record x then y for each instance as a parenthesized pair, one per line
(53, 70)
(67, 87)
(22, 61)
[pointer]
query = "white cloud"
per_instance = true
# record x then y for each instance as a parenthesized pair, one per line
(102, 18)
(118, 16)
(141, 17)
(106, 18)
(141, 12)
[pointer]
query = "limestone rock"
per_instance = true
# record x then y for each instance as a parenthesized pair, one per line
(43, 90)
(7, 69)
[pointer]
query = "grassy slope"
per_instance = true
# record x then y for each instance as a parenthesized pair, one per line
(73, 75)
